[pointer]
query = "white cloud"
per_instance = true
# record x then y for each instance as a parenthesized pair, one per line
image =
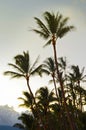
(8, 116)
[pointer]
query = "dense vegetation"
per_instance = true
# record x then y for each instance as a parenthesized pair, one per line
(62, 107)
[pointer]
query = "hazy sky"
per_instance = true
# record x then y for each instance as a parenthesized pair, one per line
(5, 113)
(17, 18)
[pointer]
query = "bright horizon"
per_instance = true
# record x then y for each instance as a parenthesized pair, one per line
(17, 18)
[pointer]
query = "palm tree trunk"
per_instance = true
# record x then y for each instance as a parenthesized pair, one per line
(61, 83)
(80, 94)
(39, 116)
(81, 101)
(30, 90)
(55, 86)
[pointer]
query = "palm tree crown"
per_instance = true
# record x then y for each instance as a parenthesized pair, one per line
(54, 26)
(23, 66)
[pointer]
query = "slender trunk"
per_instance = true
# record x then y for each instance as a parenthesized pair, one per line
(73, 96)
(55, 86)
(30, 90)
(58, 99)
(74, 102)
(81, 101)
(39, 116)
(61, 83)
(80, 94)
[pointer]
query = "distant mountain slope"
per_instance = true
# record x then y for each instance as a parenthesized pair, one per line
(2, 127)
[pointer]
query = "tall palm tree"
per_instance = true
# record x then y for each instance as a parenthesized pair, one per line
(50, 69)
(55, 27)
(78, 76)
(24, 68)
(62, 61)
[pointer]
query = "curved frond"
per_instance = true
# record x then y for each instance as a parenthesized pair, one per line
(48, 43)
(37, 70)
(42, 27)
(52, 21)
(27, 101)
(42, 34)
(63, 31)
(23, 61)
(45, 71)
(16, 67)
(13, 74)
(49, 66)
(34, 64)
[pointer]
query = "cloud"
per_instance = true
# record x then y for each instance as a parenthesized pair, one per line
(8, 116)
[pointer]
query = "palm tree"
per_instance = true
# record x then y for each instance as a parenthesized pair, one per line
(62, 61)
(23, 68)
(78, 76)
(50, 69)
(28, 122)
(55, 27)
(45, 99)
(28, 103)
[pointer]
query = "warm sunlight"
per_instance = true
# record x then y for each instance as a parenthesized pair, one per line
(11, 90)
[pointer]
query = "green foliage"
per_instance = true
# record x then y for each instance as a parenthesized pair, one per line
(55, 24)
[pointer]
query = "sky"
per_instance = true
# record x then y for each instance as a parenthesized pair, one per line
(16, 21)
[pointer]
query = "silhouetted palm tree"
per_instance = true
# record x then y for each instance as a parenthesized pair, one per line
(45, 99)
(27, 122)
(50, 69)
(78, 76)
(55, 27)
(62, 61)
(23, 68)
(28, 102)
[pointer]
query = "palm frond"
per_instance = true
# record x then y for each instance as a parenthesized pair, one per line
(34, 64)
(49, 65)
(13, 74)
(37, 70)
(64, 22)
(23, 61)
(48, 43)
(50, 20)
(25, 105)
(42, 26)
(63, 31)
(45, 71)
(16, 67)
(42, 34)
